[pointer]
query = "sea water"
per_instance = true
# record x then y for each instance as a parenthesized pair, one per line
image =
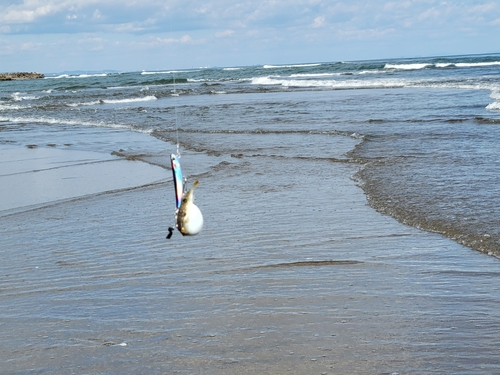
(425, 130)
(295, 270)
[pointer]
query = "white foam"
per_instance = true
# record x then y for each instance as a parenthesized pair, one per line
(289, 66)
(83, 104)
(372, 72)
(130, 100)
(335, 84)
(391, 82)
(305, 75)
(231, 69)
(59, 76)
(7, 107)
(92, 75)
(150, 73)
(145, 72)
(407, 66)
(20, 96)
(83, 75)
(493, 106)
(495, 94)
(117, 101)
(418, 66)
(53, 121)
(121, 87)
(471, 65)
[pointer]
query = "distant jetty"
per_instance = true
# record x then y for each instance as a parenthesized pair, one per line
(19, 75)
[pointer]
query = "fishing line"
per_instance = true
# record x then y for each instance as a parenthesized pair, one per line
(174, 161)
(188, 217)
(175, 95)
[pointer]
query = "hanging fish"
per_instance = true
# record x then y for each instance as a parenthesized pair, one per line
(188, 217)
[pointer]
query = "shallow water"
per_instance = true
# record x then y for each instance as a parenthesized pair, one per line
(93, 286)
(41, 176)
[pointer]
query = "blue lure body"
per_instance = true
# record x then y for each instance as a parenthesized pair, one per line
(178, 180)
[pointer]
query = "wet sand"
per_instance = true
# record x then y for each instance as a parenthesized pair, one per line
(287, 277)
(38, 176)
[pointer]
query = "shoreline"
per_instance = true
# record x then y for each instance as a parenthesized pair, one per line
(16, 76)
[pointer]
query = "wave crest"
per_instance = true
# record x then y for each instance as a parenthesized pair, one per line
(115, 101)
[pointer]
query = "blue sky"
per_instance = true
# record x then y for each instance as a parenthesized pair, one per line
(58, 35)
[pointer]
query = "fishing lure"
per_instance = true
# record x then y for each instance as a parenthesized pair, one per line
(178, 180)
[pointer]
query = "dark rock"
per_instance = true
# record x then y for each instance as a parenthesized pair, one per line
(20, 75)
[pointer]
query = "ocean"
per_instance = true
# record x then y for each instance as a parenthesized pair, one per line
(351, 221)
(425, 129)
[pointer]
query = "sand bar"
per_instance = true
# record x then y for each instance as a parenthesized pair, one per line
(38, 176)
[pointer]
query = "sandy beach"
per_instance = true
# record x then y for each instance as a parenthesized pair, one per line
(90, 285)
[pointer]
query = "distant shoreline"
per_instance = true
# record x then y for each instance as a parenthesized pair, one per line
(20, 75)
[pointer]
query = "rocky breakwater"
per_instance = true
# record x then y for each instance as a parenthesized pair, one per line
(19, 75)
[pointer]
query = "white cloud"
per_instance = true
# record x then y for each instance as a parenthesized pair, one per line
(32, 10)
(431, 14)
(364, 34)
(485, 8)
(394, 6)
(224, 33)
(183, 39)
(131, 16)
(17, 16)
(165, 40)
(213, 29)
(318, 22)
(97, 14)
(30, 46)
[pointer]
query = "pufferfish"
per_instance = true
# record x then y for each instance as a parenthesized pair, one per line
(189, 219)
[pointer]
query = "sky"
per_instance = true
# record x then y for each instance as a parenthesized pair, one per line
(50, 36)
